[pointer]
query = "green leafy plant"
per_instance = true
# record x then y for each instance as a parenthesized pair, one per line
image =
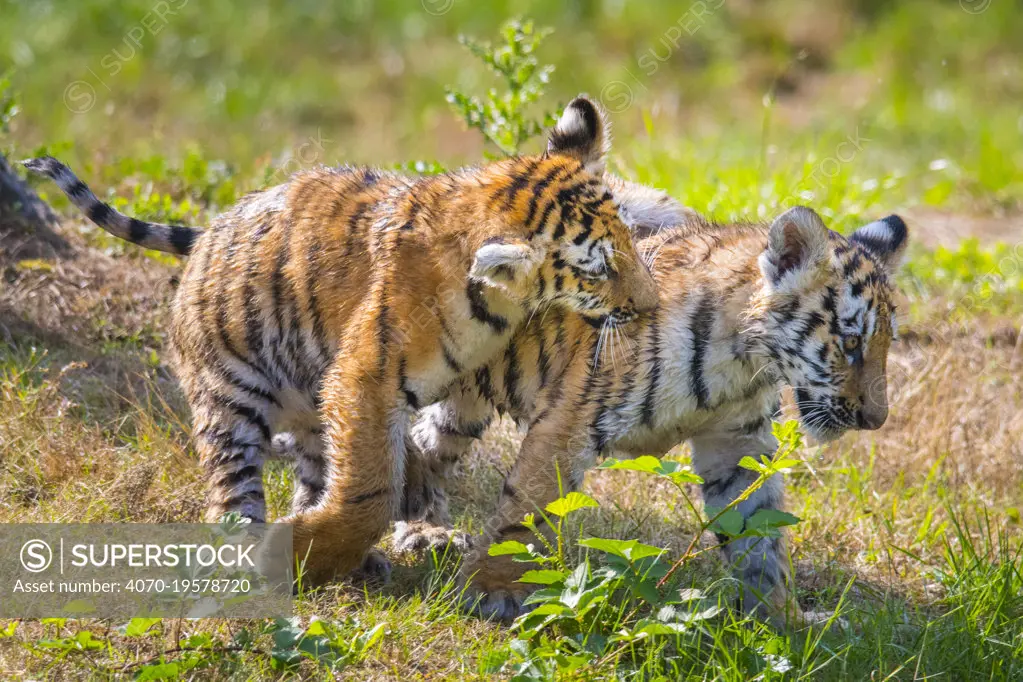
(620, 600)
(501, 116)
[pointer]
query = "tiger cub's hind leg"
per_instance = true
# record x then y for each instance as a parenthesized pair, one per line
(430, 528)
(232, 438)
(442, 435)
(307, 449)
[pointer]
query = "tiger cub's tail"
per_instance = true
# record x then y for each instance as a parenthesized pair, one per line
(176, 239)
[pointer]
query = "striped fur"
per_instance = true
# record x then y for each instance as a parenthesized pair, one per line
(745, 310)
(175, 239)
(314, 317)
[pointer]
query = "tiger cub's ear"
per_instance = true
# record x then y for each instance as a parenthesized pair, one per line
(797, 244)
(885, 239)
(502, 262)
(584, 133)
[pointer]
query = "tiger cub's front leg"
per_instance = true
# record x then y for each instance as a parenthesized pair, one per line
(761, 563)
(549, 465)
(441, 436)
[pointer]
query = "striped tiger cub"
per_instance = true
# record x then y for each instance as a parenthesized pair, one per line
(745, 310)
(315, 317)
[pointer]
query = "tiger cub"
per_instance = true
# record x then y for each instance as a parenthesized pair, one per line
(326, 310)
(745, 310)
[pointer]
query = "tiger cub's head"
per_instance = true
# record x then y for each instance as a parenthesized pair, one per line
(575, 250)
(827, 317)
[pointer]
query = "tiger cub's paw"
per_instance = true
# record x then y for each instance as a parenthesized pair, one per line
(423, 536)
(375, 568)
(491, 590)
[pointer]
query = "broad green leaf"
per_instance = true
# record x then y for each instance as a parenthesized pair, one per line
(784, 465)
(137, 627)
(647, 591)
(748, 462)
(685, 475)
(647, 463)
(676, 471)
(159, 671)
(730, 523)
(770, 518)
(549, 609)
(543, 595)
(570, 503)
(542, 577)
(654, 628)
(204, 640)
(508, 547)
(86, 640)
(631, 550)
(315, 629)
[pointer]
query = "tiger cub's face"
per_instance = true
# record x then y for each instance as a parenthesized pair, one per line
(830, 317)
(581, 253)
(599, 273)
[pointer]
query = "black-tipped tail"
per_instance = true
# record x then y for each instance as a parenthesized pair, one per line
(176, 239)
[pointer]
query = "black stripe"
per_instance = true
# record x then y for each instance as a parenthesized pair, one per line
(254, 323)
(701, 327)
(248, 413)
(383, 334)
(537, 192)
(410, 396)
(655, 372)
(234, 478)
(479, 310)
(316, 487)
(413, 213)
(101, 214)
(511, 379)
(548, 209)
(364, 497)
(542, 359)
(224, 373)
(470, 430)
(586, 222)
(279, 356)
(182, 239)
(137, 230)
(223, 300)
(483, 383)
(78, 189)
(829, 305)
(852, 265)
(449, 359)
(520, 182)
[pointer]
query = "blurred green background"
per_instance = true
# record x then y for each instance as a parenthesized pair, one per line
(733, 105)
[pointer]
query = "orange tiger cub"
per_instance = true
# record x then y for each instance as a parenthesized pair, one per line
(316, 316)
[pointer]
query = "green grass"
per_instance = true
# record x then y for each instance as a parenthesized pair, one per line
(911, 535)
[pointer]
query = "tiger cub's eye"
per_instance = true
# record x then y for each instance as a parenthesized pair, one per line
(851, 343)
